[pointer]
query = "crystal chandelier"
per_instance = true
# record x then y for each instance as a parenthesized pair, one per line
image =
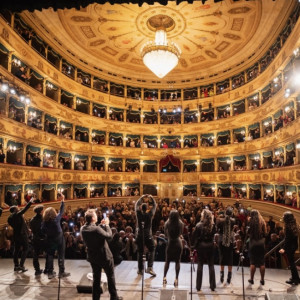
(160, 56)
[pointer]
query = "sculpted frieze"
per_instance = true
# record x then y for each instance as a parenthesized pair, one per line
(5, 34)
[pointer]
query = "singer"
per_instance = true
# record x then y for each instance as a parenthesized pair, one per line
(291, 245)
(257, 233)
(55, 240)
(17, 222)
(99, 255)
(203, 242)
(144, 213)
(225, 242)
(173, 230)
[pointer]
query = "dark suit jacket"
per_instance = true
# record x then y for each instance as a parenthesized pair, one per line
(95, 237)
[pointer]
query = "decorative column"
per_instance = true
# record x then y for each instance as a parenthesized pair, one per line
(89, 163)
(247, 163)
(72, 191)
(123, 164)
(259, 94)
(59, 95)
(125, 115)
(92, 81)
(72, 161)
(24, 154)
(142, 97)
(105, 190)
(89, 190)
(5, 149)
(9, 61)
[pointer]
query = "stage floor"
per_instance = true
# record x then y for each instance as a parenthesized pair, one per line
(26, 286)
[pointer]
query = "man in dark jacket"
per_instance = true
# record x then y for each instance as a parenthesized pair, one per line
(99, 255)
(17, 222)
(38, 237)
(144, 237)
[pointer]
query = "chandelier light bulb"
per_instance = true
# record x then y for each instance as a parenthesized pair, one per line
(160, 56)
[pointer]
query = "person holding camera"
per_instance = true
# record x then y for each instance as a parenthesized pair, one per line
(20, 236)
(144, 213)
(99, 255)
(55, 240)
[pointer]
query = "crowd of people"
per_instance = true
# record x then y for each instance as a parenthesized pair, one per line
(178, 228)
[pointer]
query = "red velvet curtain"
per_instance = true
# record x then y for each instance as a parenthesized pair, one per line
(169, 158)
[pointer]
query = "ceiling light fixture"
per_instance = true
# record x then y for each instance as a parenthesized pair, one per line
(160, 56)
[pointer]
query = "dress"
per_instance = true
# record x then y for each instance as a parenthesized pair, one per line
(225, 249)
(256, 250)
(174, 246)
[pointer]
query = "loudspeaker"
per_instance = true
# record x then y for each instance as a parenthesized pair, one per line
(173, 294)
(270, 296)
(85, 284)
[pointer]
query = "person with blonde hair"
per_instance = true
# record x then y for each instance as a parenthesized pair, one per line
(291, 231)
(257, 232)
(54, 238)
(203, 242)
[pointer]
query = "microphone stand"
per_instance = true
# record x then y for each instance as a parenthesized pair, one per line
(144, 258)
(192, 270)
(241, 261)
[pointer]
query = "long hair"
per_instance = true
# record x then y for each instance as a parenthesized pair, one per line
(174, 224)
(257, 225)
(290, 223)
(49, 214)
(227, 228)
(207, 221)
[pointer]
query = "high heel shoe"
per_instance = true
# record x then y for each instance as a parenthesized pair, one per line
(164, 281)
(262, 282)
(251, 281)
(176, 283)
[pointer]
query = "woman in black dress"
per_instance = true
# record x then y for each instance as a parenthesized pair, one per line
(291, 245)
(225, 242)
(257, 233)
(173, 231)
(203, 242)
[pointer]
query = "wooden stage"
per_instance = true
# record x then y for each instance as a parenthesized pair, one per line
(26, 286)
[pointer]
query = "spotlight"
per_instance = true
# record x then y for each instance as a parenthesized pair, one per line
(296, 79)
(4, 87)
(22, 98)
(287, 93)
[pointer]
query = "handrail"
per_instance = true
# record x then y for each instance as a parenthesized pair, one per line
(274, 249)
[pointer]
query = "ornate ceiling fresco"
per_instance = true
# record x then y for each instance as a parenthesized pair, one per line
(213, 37)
